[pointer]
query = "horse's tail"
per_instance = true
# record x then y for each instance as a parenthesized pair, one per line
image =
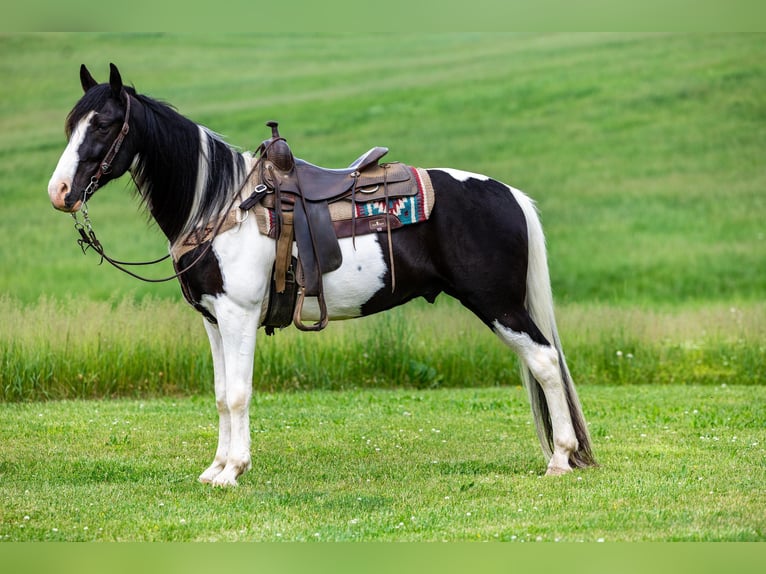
(539, 304)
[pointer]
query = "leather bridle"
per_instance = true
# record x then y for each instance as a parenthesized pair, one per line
(105, 166)
(88, 237)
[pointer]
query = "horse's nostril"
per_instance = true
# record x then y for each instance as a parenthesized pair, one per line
(60, 192)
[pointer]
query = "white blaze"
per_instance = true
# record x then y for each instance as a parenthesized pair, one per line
(61, 181)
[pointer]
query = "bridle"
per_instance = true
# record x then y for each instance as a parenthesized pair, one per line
(85, 228)
(105, 166)
(88, 237)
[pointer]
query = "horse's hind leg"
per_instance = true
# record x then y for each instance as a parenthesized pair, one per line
(224, 418)
(542, 361)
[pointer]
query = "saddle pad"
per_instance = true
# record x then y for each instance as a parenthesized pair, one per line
(410, 209)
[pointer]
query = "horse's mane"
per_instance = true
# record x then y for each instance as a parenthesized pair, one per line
(185, 174)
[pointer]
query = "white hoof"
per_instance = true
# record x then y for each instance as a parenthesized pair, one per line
(210, 473)
(225, 479)
(557, 471)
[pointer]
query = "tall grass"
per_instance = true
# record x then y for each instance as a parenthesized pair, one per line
(72, 349)
(68, 349)
(714, 344)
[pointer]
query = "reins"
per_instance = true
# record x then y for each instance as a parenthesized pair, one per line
(88, 237)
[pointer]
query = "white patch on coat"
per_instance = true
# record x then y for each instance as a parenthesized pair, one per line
(460, 175)
(354, 282)
(69, 160)
(245, 257)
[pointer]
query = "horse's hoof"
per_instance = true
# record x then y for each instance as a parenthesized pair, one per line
(225, 479)
(210, 473)
(557, 471)
(224, 483)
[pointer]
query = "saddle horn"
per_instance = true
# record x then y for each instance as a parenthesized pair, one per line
(276, 149)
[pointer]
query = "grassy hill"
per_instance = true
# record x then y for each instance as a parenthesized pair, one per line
(644, 152)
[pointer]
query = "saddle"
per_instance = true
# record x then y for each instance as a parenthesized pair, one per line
(303, 196)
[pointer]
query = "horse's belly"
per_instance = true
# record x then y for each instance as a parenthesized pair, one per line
(354, 283)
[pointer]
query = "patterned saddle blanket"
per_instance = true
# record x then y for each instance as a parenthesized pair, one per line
(367, 210)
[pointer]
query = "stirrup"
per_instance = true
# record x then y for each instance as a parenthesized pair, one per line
(323, 319)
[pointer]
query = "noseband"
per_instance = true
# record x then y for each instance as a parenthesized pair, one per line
(105, 166)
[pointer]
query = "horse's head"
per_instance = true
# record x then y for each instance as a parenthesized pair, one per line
(99, 147)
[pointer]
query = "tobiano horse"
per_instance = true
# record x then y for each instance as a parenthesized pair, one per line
(483, 244)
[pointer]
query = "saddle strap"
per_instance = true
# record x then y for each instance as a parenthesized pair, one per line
(388, 232)
(284, 251)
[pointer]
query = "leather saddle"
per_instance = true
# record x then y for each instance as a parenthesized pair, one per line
(301, 193)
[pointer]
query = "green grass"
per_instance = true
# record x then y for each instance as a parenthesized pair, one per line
(645, 155)
(677, 463)
(55, 350)
(643, 151)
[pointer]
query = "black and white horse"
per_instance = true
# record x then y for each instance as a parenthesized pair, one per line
(483, 245)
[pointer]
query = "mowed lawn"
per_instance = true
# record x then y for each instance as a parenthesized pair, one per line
(676, 463)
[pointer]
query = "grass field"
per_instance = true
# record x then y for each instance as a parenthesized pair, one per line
(97, 349)
(644, 152)
(645, 155)
(677, 463)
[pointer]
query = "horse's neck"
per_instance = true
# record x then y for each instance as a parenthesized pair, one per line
(187, 178)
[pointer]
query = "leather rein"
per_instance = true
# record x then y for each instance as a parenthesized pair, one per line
(88, 237)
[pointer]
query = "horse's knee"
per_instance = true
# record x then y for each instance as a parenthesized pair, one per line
(238, 401)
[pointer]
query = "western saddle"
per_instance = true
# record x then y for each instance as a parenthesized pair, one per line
(301, 195)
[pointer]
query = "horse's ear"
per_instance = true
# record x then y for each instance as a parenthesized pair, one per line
(115, 80)
(86, 79)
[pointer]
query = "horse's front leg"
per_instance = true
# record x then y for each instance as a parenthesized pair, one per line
(237, 326)
(224, 419)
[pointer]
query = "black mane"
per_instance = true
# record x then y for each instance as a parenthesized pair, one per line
(170, 154)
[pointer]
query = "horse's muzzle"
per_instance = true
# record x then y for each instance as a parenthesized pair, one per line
(62, 197)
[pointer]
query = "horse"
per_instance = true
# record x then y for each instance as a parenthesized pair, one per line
(482, 245)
